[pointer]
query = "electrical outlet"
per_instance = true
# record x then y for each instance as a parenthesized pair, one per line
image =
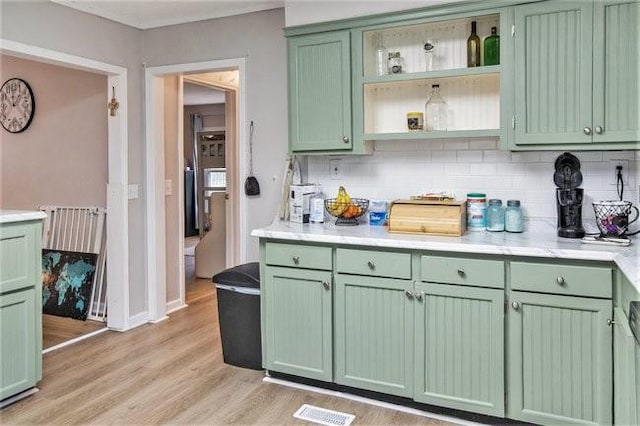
(335, 169)
(613, 164)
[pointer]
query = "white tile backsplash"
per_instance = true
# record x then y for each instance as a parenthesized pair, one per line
(398, 169)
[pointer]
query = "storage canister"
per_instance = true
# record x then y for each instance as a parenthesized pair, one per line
(495, 216)
(476, 211)
(513, 217)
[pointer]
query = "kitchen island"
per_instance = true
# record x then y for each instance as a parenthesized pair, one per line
(20, 303)
(509, 325)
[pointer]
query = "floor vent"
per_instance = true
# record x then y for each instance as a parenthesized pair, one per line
(323, 416)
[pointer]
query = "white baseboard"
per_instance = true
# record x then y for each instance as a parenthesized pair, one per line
(75, 340)
(137, 320)
(175, 305)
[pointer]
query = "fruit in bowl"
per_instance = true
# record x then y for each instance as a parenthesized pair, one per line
(345, 208)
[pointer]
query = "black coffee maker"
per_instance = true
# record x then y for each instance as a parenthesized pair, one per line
(568, 196)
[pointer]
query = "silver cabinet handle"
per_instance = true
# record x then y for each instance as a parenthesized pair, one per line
(296, 259)
(587, 130)
(409, 294)
(599, 130)
(419, 296)
(326, 285)
(560, 280)
(371, 265)
(462, 273)
(345, 139)
(610, 322)
(515, 305)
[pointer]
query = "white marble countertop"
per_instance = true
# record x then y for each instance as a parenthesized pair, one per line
(538, 240)
(9, 216)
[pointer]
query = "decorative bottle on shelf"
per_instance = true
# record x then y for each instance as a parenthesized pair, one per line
(435, 110)
(473, 47)
(381, 56)
(492, 48)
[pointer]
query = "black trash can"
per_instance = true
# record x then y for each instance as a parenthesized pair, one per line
(239, 315)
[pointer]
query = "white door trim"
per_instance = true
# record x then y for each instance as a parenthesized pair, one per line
(118, 146)
(154, 147)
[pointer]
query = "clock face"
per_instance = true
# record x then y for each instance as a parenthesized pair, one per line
(16, 105)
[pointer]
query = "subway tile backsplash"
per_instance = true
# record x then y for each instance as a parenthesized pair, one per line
(398, 169)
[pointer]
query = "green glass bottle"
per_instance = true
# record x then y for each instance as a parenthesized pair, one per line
(492, 48)
(473, 47)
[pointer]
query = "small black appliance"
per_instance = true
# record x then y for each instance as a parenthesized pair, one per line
(568, 196)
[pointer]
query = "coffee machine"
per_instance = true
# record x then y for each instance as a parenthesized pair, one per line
(568, 196)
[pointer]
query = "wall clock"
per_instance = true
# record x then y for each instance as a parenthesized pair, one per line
(17, 105)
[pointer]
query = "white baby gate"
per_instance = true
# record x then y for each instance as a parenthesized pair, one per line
(80, 229)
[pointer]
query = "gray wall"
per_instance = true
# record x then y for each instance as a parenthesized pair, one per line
(51, 26)
(259, 38)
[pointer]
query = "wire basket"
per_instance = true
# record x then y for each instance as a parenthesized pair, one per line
(346, 213)
(612, 217)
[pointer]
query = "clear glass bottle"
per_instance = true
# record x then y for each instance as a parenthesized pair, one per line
(495, 216)
(430, 55)
(435, 110)
(381, 56)
(492, 48)
(513, 217)
(473, 47)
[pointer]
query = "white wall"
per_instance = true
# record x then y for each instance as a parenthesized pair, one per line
(259, 38)
(398, 169)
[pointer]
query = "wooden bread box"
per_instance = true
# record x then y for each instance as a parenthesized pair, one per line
(428, 217)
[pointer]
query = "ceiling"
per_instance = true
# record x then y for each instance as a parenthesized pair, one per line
(144, 14)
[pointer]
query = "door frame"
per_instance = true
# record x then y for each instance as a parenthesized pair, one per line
(117, 185)
(155, 201)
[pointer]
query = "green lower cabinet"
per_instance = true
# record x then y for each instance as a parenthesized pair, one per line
(559, 359)
(298, 322)
(374, 334)
(459, 347)
(626, 368)
(17, 342)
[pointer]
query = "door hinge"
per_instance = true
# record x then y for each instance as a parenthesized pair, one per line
(513, 122)
(513, 31)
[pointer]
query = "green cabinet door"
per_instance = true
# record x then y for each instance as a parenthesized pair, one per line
(626, 370)
(374, 334)
(459, 347)
(320, 92)
(553, 72)
(559, 359)
(18, 357)
(298, 322)
(616, 68)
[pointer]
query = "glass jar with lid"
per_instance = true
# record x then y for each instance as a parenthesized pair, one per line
(513, 217)
(495, 216)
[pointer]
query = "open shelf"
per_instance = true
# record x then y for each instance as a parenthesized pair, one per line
(458, 72)
(454, 134)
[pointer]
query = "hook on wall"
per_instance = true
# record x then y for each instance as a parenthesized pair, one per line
(114, 104)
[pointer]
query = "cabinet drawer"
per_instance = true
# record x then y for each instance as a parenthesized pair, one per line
(589, 281)
(456, 270)
(298, 256)
(19, 256)
(373, 263)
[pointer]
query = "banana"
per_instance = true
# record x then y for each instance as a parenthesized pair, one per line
(342, 202)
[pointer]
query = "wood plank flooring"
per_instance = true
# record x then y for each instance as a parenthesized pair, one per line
(171, 373)
(56, 330)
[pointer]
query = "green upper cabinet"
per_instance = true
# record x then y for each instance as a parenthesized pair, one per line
(576, 75)
(559, 359)
(320, 92)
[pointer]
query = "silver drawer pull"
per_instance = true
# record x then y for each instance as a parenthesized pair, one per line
(419, 296)
(515, 305)
(409, 294)
(587, 131)
(560, 280)
(371, 265)
(326, 285)
(599, 130)
(462, 273)
(296, 259)
(345, 139)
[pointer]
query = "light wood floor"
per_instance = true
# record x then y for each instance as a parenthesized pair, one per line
(170, 373)
(56, 330)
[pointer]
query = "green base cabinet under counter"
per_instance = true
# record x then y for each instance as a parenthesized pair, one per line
(459, 348)
(374, 334)
(559, 359)
(298, 313)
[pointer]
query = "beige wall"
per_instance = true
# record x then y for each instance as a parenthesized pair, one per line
(61, 159)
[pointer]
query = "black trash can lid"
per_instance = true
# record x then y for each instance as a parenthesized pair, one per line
(247, 275)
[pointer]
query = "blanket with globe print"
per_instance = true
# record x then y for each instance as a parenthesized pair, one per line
(67, 281)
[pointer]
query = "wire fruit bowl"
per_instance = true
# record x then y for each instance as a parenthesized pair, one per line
(346, 213)
(613, 217)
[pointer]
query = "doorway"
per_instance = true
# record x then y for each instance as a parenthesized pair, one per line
(158, 239)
